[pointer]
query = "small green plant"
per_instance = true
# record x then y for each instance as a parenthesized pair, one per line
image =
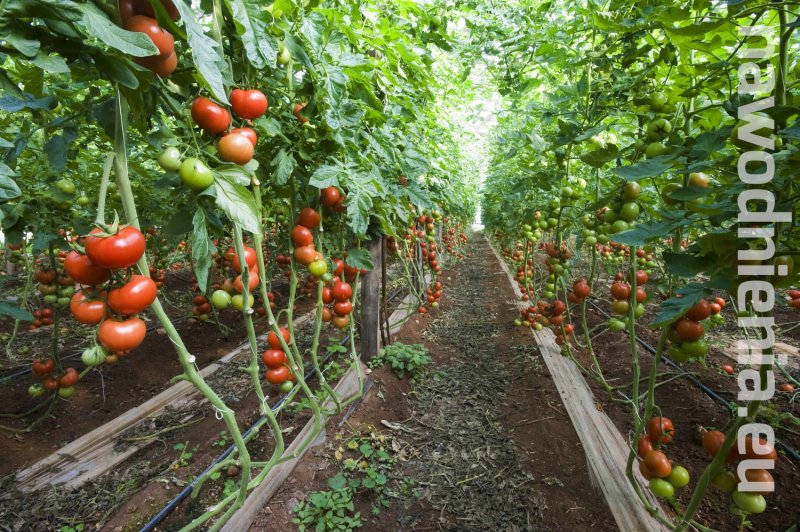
(329, 510)
(223, 441)
(403, 358)
(77, 528)
(184, 458)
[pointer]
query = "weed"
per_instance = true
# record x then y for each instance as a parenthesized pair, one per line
(403, 358)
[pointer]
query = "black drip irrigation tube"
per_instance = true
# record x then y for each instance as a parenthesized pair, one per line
(708, 391)
(171, 505)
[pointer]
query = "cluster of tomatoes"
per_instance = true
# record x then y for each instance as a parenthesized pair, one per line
(453, 239)
(794, 299)
(304, 251)
(41, 318)
(687, 333)
(332, 198)
(278, 371)
(620, 292)
(337, 298)
(556, 263)
(138, 16)
(751, 502)
(432, 295)
(56, 290)
(622, 214)
(50, 379)
(108, 255)
(580, 291)
(655, 466)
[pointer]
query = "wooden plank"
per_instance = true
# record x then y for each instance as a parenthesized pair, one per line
(260, 496)
(371, 302)
(787, 356)
(93, 454)
(605, 448)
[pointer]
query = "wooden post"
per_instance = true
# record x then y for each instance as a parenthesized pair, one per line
(371, 301)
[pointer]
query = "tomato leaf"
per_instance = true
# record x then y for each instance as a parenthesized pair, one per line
(284, 164)
(259, 45)
(236, 202)
(206, 54)
(15, 312)
(12, 104)
(647, 168)
(359, 258)
(689, 193)
(202, 249)
(97, 24)
(654, 231)
(675, 307)
(326, 175)
(684, 264)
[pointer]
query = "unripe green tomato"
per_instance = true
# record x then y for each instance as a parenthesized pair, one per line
(221, 299)
(679, 477)
(538, 326)
(318, 268)
(67, 186)
(552, 222)
(616, 325)
(237, 301)
(93, 356)
(580, 184)
(610, 216)
(566, 192)
(65, 392)
(202, 317)
(631, 191)
(51, 299)
(195, 174)
(619, 226)
(284, 56)
(525, 323)
(654, 149)
(517, 322)
(548, 295)
(676, 353)
(661, 488)
(83, 201)
(170, 159)
(650, 264)
(629, 211)
(726, 481)
(750, 503)
(435, 304)
(36, 390)
(67, 291)
(638, 312)
(591, 240)
(695, 349)
(603, 239)
(286, 386)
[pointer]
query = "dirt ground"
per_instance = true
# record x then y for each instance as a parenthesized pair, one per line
(481, 431)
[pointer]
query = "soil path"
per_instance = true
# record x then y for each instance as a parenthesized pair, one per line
(484, 435)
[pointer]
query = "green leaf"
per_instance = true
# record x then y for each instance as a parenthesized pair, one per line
(117, 70)
(675, 307)
(414, 164)
(50, 63)
(15, 312)
(97, 24)
(689, 193)
(359, 258)
(237, 203)
(684, 264)
(12, 104)
(181, 223)
(56, 150)
(5, 144)
(284, 165)
(653, 231)
(206, 54)
(259, 45)
(337, 482)
(647, 168)
(16, 38)
(8, 187)
(202, 249)
(326, 176)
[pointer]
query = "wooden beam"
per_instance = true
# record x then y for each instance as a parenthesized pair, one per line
(605, 448)
(371, 302)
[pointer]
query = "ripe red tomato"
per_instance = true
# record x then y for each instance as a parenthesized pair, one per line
(235, 148)
(330, 196)
(645, 471)
(277, 375)
(149, 26)
(786, 387)
(582, 289)
(757, 475)
(120, 250)
(338, 266)
(658, 464)
(327, 295)
(296, 112)
(326, 314)
(342, 308)
(45, 276)
(250, 258)
(247, 133)
(134, 296)
(211, 118)
(83, 270)
(712, 441)
(42, 368)
(342, 291)
(689, 330)
(70, 377)
(309, 218)
(122, 335)
(641, 277)
(340, 322)
(720, 301)
(305, 255)
(249, 104)
(252, 282)
(274, 342)
(644, 445)
(302, 236)
(620, 290)
(87, 311)
(50, 384)
(700, 311)
(715, 308)
(274, 358)
(660, 429)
